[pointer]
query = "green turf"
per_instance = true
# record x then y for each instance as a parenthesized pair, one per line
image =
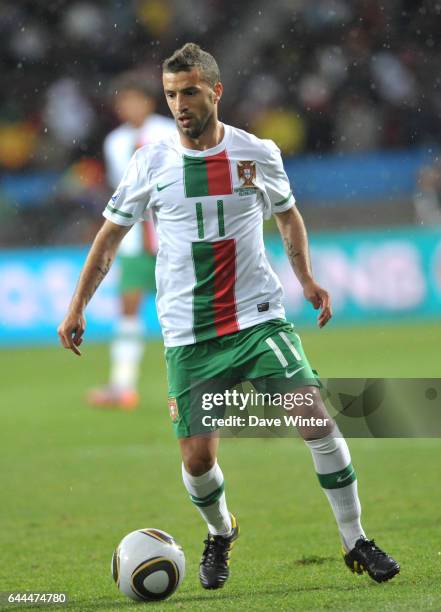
(75, 480)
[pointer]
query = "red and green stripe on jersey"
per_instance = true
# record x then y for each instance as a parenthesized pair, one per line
(214, 300)
(207, 176)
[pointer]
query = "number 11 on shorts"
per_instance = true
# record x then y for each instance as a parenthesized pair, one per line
(278, 353)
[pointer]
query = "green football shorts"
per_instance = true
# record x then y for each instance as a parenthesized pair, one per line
(137, 273)
(269, 355)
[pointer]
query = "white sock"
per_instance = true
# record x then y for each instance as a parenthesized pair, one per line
(207, 493)
(336, 475)
(126, 353)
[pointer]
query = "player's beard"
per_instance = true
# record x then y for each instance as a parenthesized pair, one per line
(195, 131)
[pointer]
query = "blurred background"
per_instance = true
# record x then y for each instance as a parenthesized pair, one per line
(349, 90)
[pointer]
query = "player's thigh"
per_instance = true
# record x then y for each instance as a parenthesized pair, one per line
(195, 374)
(278, 366)
(272, 358)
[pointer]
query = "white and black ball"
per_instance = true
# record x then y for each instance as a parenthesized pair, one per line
(148, 565)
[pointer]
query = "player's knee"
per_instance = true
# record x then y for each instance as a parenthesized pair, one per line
(326, 439)
(198, 454)
(314, 419)
(198, 465)
(130, 303)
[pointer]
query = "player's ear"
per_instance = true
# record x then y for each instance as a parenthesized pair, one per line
(218, 90)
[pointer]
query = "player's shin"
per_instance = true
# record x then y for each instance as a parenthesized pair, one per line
(207, 494)
(337, 477)
(126, 353)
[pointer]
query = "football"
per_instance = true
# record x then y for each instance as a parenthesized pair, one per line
(148, 565)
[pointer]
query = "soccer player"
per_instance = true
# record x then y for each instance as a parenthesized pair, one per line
(219, 302)
(134, 104)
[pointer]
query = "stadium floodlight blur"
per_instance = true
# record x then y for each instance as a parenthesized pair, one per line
(348, 89)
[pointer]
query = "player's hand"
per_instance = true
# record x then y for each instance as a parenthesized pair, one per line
(71, 331)
(319, 298)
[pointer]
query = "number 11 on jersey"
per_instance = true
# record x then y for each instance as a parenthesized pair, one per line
(200, 219)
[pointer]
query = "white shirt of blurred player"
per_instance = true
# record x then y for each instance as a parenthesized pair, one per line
(119, 146)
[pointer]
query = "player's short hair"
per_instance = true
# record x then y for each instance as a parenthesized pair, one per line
(192, 56)
(134, 80)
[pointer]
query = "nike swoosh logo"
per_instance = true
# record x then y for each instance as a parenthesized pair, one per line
(161, 187)
(343, 478)
(291, 374)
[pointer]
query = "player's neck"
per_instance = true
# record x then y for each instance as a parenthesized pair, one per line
(211, 136)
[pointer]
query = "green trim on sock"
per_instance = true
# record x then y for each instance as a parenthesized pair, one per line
(209, 499)
(338, 480)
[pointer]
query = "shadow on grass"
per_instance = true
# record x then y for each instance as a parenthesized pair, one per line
(314, 560)
(236, 597)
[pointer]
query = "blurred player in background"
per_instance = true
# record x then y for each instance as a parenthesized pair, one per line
(134, 104)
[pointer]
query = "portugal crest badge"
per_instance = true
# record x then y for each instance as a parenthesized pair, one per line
(247, 173)
(173, 408)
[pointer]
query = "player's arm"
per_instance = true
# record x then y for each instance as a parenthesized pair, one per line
(98, 262)
(295, 240)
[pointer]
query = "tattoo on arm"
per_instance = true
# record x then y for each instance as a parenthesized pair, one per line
(290, 251)
(102, 273)
(105, 268)
(298, 259)
(295, 241)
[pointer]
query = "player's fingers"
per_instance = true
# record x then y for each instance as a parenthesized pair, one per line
(75, 340)
(315, 300)
(62, 335)
(78, 334)
(324, 317)
(67, 340)
(326, 304)
(73, 347)
(326, 311)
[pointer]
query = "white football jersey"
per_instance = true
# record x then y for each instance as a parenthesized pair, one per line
(119, 147)
(212, 273)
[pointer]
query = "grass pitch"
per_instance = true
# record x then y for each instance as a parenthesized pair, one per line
(74, 481)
